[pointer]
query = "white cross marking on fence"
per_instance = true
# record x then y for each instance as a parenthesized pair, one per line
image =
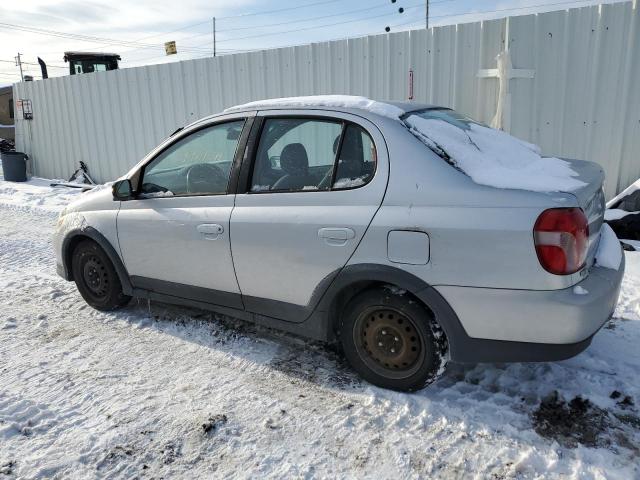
(504, 73)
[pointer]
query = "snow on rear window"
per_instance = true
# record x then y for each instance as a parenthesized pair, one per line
(491, 157)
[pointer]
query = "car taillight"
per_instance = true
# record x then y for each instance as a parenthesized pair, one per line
(561, 237)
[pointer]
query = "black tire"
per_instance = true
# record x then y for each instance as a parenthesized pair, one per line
(391, 340)
(96, 277)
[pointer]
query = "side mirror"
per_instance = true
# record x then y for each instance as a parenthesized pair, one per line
(122, 190)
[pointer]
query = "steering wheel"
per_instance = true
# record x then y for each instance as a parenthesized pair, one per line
(205, 178)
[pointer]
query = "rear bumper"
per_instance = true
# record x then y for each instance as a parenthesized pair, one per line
(503, 325)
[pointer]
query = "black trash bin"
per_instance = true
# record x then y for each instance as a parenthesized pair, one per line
(14, 166)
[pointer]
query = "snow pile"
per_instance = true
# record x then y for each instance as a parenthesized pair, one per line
(494, 158)
(36, 193)
(580, 290)
(335, 101)
(609, 254)
(615, 214)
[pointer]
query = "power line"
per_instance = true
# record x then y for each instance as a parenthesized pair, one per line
(254, 27)
(186, 27)
(313, 27)
(73, 36)
(385, 4)
(231, 50)
(326, 25)
(280, 9)
(305, 28)
(513, 8)
(417, 23)
(352, 36)
(173, 31)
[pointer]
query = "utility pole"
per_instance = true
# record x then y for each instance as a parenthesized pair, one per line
(214, 36)
(19, 64)
(427, 14)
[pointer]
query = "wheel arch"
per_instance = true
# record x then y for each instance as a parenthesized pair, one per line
(75, 236)
(354, 279)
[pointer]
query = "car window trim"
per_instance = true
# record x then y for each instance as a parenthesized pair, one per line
(250, 157)
(256, 144)
(375, 170)
(336, 157)
(246, 126)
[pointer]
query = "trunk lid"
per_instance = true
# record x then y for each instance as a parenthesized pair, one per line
(591, 199)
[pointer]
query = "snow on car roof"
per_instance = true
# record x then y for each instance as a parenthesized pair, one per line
(385, 109)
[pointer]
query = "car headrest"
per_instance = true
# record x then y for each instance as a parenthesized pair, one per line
(294, 160)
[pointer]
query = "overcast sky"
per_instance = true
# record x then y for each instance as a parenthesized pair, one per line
(140, 28)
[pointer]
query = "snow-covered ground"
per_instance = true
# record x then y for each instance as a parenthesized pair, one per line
(166, 392)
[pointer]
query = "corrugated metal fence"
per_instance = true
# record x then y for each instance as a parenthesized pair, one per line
(582, 102)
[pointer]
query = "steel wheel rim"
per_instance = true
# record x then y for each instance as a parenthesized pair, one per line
(95, 276)
(388, 342)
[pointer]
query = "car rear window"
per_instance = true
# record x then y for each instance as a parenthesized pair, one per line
(450, 116)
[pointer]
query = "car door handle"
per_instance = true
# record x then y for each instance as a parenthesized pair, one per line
(210, 231)
(336, 236)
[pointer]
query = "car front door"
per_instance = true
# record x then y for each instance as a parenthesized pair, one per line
(174, 235)
(309, 188)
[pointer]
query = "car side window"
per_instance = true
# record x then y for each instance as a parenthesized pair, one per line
(304, 154)
(357, 159)
(295, 154)
(198, 164)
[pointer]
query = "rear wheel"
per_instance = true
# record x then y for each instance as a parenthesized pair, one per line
(96, 277)
(391, 340)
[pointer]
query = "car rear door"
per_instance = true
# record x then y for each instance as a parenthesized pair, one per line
(309, 188)
(174, 235)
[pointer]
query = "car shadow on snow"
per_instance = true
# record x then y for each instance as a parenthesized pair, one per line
(303, 360)
(530, 390)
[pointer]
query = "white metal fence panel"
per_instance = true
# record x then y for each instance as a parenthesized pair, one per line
(583, 101)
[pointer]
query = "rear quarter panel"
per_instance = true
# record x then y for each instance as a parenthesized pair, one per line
(479, 236)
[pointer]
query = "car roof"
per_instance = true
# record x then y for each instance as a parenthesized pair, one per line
(406, 107)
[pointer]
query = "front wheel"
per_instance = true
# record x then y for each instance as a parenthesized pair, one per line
(391, 340)
(96, 277)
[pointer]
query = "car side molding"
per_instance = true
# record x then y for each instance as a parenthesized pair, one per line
(323, 322)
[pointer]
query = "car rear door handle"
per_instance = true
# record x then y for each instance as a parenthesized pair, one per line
(210, 231)
(336, 236)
